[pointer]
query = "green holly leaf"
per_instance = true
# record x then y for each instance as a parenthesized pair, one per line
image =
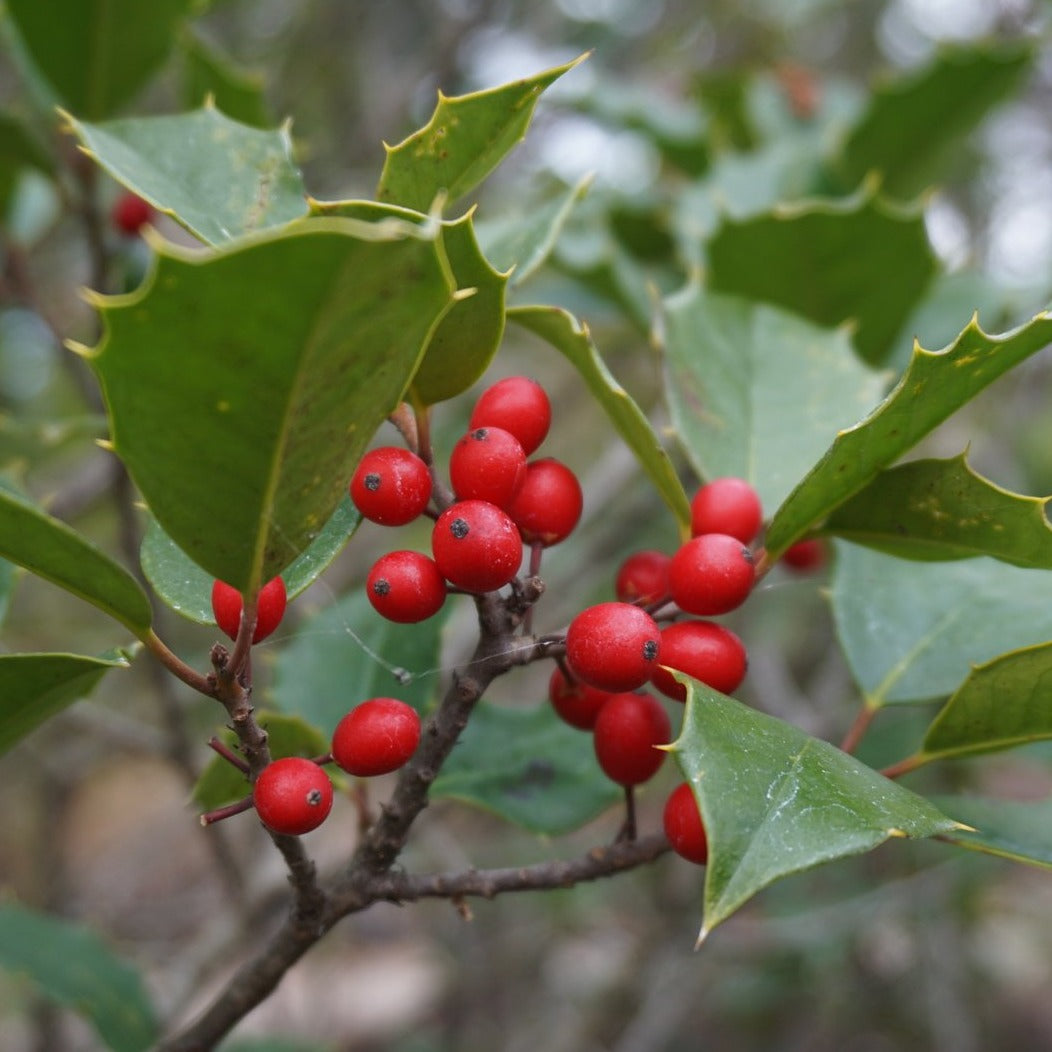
(35, 687)
(240, 413)
(208, 73)
(528, 767)
(466, 138)
(49, 548)
(97, 54)
(793, 257)
(908, 629)
(756, 392)
(934, 386)
(1020, 830)
(776, 801)
(566, 334)
(214, 176)
(72, 966)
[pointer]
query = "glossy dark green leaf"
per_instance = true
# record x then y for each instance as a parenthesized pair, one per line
(1020, 830)
(241, 412)
(934, 386)
(207, 73)
(49, 548)
(794, 257)
(218, 178)
(97, 54)
(71, 965)
(756, 392)
(776, 801)
(566, 334)
(527, 767)
(466, 138)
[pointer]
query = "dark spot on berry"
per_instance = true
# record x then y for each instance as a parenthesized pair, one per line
(650, 650)
(314, 797)
(372, 482)
(381, 587)
(479, 434)
(459, 528)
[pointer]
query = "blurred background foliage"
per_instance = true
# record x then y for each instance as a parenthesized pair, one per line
(685, 107)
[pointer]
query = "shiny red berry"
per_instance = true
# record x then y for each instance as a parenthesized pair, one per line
(807, 555)
(476, 546)
(391, 486)
(487, 464)
(548, 504)
(613, 646)
(643, 577)
(376, 737)
(627, 733)
(684, 826)
(516, 404)
(405, 587)
(711, 574)
(708, 652)
(130, 214)
(270, 608)
(576, 702)
(292, 795)
(727, 505)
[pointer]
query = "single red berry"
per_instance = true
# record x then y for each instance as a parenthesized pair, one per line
(627, 731)
(476, 546)
(613, 646)
(643, 577)
(806, 555)
(711, 574)
(130, 214)
(548, 504)
(405, 587)
(391, 486)
(710, 653)
(727, 505)
(292, 795)
(684, 826)
(376, 737)
(576, 702)
(516, 404)
(487, 464)
(270, 608)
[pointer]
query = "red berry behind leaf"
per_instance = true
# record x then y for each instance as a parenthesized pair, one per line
(643, 577)
(576, 703)
(376, 737)
(516, 404)
(684, 826)
(476, 546)
(711, 574)
(391, 486)
(130, 214)
(807, 555)
(292, 795)
(548, 504)
(405, 587)
(627, 731)
(710, 653)
(613, 646)
(727, 505)
(487, 464)
(227, 605)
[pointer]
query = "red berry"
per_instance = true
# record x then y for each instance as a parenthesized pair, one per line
(487, 464)
(517, 404)
(270, 608)
(391, 486)
(130, 213)
(711, 574)
(376, 737)
(548, 504)
(405, 587)
(643, 577)
(684, 827)
(292, 795)
(710, 653)
(627, 731)
(476, 546)
(613, 646)
(576, 702)
(806, 555)
(727, 505)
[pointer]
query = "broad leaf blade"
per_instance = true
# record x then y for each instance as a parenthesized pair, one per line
(74, 967)
(756, 392)
(776, 801)
(97, 54)
(934, 386)
(911, 631)
(52, 550)
(35, 687)
(566, 334)
(466, 138)
(794, 258)
(1020, 830)
(527, 767)
(243, 421)
(218, 178)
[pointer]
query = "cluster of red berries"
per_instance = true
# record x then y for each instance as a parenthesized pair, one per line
(501, 501)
